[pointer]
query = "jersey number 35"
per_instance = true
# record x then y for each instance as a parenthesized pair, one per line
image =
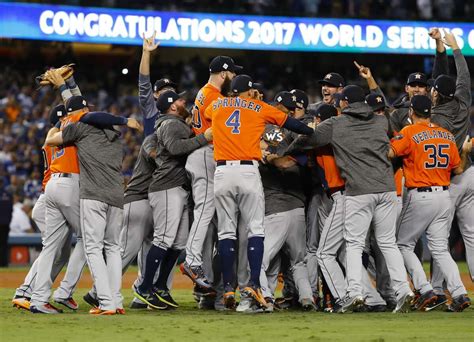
(438, 156)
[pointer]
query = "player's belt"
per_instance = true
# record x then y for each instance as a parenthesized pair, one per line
(430, 188)
(332, 191)
(64, 175)
(234, 162)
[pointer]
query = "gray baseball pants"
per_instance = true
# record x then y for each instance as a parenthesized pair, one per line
(101, 224)
(39, 216)
(201, 167)
(360, 212)
(313, 230)
(286, 230)
(170, 218)
(428, 211)
(62, 219)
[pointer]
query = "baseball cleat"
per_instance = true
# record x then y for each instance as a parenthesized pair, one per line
(256, 293)
(100, 312)
(308, 305)
(375, 308)
(91, 300)
(245, 303)
(165, 297)
(283, 303)
(207, 303)
(21, 303)
(229, 300)
(196, 274)
(405, 302)
(441, 300)
(199, 291)
(150, 299)
(348, 304)
(120, 311)
(70, 303)
(45, 309)
(425, 300)
(138, 304)
(459, 303)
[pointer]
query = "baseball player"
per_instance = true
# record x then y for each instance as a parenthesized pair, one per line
(430, 155)
(101, 200)
(360, 144)
(201, 167)
(23, 293)
(284, 222)
(237, 124)
(451, 102)
(167, 195)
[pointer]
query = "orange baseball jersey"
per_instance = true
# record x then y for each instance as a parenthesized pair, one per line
(47, 153)
(204, 98)
(65, 159)
(325, 159)
(238, 125)
(429, 153)
(398, 177)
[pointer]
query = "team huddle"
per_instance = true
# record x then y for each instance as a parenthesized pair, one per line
(331, 197)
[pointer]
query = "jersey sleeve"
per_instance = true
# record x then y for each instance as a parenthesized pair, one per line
(273, 116)
(208, 112)
(401, 144)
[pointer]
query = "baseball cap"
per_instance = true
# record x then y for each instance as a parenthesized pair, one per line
(333, 79)
(337, 99)
(417, 78)
(242, 83)
(421, 104)
(75, 103)
(302, 99)
(353, 93)
(223, 63)
(164, 82)
(259, 87)
(287, 99)
(445, 85)
(57, 112)
(325, 111)
(166, 99)
(375, 101)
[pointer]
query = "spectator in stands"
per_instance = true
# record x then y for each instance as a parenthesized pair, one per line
(20, 222)
(6, 208)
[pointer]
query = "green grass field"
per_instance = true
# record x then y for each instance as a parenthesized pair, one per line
(190, 324)
(187, 323)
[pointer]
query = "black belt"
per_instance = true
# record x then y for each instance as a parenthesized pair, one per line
(65, 175)
(242, 162)
(428, 188)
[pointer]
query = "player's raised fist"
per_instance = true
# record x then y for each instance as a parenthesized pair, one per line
(364, 71)
(54, 76)
(435, 33)
(450, 40)
(149, 43)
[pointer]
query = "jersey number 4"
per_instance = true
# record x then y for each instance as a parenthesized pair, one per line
(233, 121)
(438, 156)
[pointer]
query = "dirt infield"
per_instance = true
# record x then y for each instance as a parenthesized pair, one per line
(13, 278)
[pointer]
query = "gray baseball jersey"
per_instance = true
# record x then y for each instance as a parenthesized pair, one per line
(101, 193)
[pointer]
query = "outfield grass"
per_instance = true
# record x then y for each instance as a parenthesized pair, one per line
(189, 324)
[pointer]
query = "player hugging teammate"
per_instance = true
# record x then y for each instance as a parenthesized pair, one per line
(333, 196)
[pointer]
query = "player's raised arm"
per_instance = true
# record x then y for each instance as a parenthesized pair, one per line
(440, 65)
(145, 91)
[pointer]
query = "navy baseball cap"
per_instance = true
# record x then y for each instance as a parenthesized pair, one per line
(375, 101)
(302, 99)
(445, 85)
(166, 99)
(337, 99)
(162, 83)
(421, 104)
(242, 83)
(76, 103)
(287, 99)
(353, 93)
(57, 112)
(223, 63)
(417, 78)
(333, 79)
(326, 111)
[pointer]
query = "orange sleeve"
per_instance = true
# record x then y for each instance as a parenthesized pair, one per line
(208, 111)
(401, 144)
(272, 115)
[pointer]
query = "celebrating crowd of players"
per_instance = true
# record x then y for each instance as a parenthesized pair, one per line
(332, 196)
